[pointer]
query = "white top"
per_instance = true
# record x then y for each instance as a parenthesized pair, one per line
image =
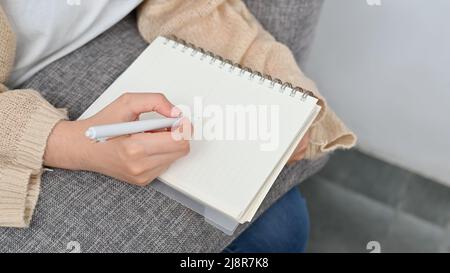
(48, 30)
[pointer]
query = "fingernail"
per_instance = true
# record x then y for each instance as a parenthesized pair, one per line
(177, 124)
(176, 112)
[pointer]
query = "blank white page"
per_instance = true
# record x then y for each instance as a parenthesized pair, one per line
(224, 174)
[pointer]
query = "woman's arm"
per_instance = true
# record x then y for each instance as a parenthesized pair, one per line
(137, 159)
(227, 28)
(33, 133)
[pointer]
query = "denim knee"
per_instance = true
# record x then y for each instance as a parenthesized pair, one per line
(284, 228)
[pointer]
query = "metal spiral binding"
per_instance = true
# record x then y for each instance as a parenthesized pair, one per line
(213, 58)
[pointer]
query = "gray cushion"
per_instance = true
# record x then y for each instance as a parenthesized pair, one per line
(101, 213)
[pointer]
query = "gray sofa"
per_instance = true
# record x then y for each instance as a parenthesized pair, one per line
(99, 214)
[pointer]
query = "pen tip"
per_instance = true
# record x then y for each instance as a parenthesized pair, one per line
(89, 133)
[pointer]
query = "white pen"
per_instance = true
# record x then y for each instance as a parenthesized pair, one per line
(103, 132)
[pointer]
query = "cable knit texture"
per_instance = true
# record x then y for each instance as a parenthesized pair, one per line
(224, 27)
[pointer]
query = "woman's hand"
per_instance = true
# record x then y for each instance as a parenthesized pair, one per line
(136, 159)
(300, 151)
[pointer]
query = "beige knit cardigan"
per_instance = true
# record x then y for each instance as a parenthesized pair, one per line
(224, 27)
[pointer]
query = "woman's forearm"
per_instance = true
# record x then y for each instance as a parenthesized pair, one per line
(65, 146)
(136, 159)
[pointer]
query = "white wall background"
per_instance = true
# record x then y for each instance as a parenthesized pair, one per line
(386, 71)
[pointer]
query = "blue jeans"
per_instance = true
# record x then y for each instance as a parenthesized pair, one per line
(283, 228)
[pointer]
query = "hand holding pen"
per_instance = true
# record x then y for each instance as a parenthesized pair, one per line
(129, 155)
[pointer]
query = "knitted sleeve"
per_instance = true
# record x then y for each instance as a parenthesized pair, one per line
(227, 28)
(26, 120)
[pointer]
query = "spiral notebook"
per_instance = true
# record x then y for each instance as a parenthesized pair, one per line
(223, 178)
